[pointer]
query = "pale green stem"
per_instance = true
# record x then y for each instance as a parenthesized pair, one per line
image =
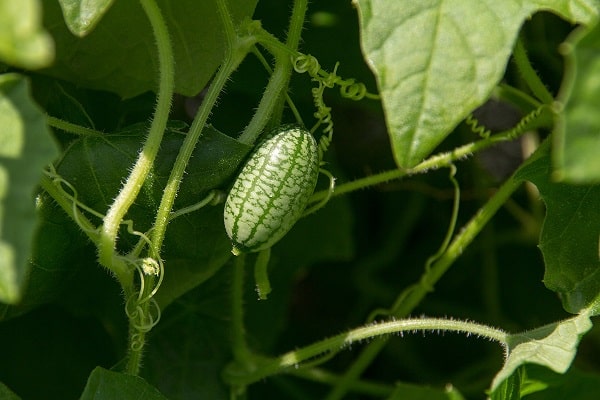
(141, 169)
(143, 165)
(435, 162)
(292, 41)
(411, 297)
(531, 77)
(273, 97)
(233, 56)
(294, 358)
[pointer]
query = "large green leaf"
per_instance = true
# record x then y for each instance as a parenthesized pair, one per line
(196, 245)
(81, 16)
(437, 60)
(569, 238)
(23, 41)
(119, 55)
(578, 132)
(25, 148)
(193, 343)
(108, 385)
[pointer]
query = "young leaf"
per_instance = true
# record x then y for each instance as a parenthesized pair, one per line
(23, 41)
(435, 61)
(119, 54)
(553, 346)
(569, 238)
(108, 385)
(25, 148)
(578, 133)
(82, 16)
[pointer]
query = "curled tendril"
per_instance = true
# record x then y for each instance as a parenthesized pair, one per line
(526, 120)
(306, 63)
(353, 90)
(71, 194)
(481, 130)
(349, 89)
(141, 319)
(477, 127)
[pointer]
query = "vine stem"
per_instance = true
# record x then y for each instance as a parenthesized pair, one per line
(145, 160)
(140, 171)
(414, 294)
(531, 77)
(235, 52)
(435, 162)
(292, 41)
(70, 127)
(294, 358)
(271, 102)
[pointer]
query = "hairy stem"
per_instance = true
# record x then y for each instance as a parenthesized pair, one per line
(71, 128)
(434, 162)
(232, 59)
(292, 42)
(141, 169)
(294, 358)
(531, 77)
(411, 297)
(272, 101)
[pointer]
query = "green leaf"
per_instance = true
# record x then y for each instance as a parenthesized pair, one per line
(578, 132)
(193, 341)
(569, 238)
(196, 245)
(108, 385)
(81, 16)
(6, 393)
(119, 55)
(510, 388)
(553, 346)
(435, 61)
(404, 391)
(25, 148)
(23, 41)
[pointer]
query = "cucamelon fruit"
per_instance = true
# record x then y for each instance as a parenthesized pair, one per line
(272, 190)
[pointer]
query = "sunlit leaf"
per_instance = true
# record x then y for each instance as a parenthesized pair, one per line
(435, 61)
(81, 16)
(553, 346)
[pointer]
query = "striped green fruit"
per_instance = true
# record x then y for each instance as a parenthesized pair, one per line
(272, 190)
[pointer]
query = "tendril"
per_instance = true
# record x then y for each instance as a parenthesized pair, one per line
(525, 121)
(477, 127)
(514, 132)
(349, 88)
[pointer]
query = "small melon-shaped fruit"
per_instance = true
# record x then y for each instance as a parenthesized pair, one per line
(272, 190)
